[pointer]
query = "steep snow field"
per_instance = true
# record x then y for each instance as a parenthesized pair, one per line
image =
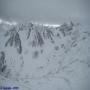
(36, 56)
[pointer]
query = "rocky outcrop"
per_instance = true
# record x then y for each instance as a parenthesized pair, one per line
(2, 62)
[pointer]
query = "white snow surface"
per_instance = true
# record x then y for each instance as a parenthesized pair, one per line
(60, 62)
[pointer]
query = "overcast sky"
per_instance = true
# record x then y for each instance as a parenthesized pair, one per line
(52, 11)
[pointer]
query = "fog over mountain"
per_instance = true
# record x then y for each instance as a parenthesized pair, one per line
(45, 11)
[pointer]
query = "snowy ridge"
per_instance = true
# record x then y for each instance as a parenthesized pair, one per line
(7, 22)
(38, 33)
(15, 23)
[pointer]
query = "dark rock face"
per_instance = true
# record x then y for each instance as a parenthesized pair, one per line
(2, 62)
(38, 41)
(65, 28)
(14, 39)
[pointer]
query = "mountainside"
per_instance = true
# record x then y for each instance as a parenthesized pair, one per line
(44, 57)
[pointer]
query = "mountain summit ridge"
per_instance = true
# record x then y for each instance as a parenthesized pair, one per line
(37, 32)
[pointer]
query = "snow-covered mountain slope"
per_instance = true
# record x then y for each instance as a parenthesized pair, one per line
(41, 56)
